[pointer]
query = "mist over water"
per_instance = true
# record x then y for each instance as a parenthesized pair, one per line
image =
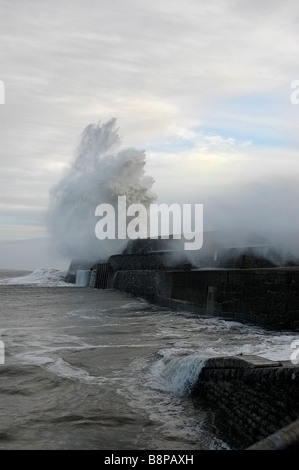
(101, 171)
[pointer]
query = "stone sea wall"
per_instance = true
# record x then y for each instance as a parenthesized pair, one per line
(254, 402)
(268, 296)
(250, 397)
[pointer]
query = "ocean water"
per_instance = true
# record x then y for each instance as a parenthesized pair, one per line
(98, 369)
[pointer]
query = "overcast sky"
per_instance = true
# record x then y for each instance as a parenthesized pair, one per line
(202, 86)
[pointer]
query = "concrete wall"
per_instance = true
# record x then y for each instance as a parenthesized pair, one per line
(253, 402)
(251, 397)
(248, 398)
(138, 283)
(263, 296)
(269, 297)
(158, 260)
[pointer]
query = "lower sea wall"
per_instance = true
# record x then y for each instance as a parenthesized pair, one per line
(268, 297)
(251, 402)
(250, 398)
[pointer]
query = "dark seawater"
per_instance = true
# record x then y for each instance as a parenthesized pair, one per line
(97, 369)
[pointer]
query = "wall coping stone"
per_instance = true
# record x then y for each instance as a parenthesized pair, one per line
(240, 361)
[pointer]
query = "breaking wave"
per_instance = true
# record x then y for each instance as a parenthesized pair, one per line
(98, 174)
(175, 371)
(40, 277)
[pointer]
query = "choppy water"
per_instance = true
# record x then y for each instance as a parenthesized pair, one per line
(97, 369)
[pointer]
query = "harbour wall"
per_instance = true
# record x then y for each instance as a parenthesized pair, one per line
(266, 296)
(250, 400)
(252, 403)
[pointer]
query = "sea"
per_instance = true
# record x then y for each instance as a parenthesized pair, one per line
(94, 369)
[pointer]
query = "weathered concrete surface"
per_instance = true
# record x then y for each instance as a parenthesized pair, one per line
(251, 397)
(264, 296)
(269, 297)
(156, 260)
(138, 283)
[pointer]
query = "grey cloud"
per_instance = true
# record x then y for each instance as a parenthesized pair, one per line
(68, 63)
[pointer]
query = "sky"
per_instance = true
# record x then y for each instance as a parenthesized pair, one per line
(204, 88)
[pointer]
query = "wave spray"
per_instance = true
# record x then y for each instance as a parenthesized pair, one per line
(101, 171)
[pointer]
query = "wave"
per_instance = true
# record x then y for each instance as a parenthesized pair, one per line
(176, 371)
(61, 368)
(101, 171)
(40, 277)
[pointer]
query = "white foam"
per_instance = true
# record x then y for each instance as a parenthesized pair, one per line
(61, 368)
(101, 171)
(40, 277)
(219, 337)
(161, 398)
(66, 370)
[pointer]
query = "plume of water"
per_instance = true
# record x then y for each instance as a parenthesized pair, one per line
(101, 171)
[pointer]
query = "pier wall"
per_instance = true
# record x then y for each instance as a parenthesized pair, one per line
(251, 398)
(253, 402)
(268, 296)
